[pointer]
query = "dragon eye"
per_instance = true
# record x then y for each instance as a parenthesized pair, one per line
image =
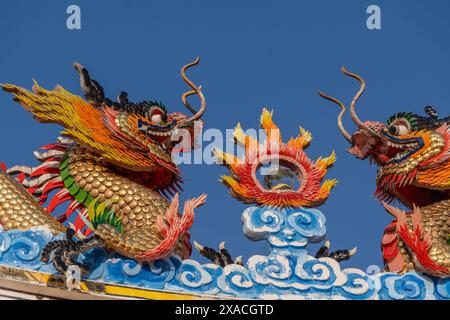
(156, 118)
(399, 129)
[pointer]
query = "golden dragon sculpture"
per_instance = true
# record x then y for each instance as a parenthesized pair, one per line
(112, 168)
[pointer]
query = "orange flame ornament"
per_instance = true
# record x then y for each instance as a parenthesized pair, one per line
(287, 161)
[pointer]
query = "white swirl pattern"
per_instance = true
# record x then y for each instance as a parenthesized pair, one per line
(291, 276)
(286, 230)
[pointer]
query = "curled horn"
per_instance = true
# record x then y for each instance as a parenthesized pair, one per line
(353, 114)
(361, 90)
(344, 132)
(195, 90)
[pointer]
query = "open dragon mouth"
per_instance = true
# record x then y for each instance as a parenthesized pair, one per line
(156, 130)
(384, 148)
(167, 136)
(398, 158)
(395, 150)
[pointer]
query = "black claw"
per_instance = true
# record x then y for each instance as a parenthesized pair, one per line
(58, 261)
(69, 234)
(65, 251)
(323, 252)
(226, 255)
(219, 260)
(213, 255)
(48, 249)
(221, 257)
(338, 255)
(240, 263)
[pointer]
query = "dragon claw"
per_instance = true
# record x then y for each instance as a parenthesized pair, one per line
(198, 246)
(353, 251)
(221, 257)
(338, 255)
(62, 252)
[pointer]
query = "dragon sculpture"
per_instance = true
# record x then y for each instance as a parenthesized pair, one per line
(112, 168)
(413, 155)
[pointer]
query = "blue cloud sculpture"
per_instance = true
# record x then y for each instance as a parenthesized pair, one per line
(288, 272)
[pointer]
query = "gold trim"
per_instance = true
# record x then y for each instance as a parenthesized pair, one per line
(55, 286)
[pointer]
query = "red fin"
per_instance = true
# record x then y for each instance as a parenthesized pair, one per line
(55, 146)
(20, 177)
(179, 225)
(397, 264)
(52, 185)
(74, 205)
(43, 170)
(60, 197)
(419, 242)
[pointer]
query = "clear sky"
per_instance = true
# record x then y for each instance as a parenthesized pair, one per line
(254, 54)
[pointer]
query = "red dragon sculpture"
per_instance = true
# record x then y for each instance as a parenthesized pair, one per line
(413, 155)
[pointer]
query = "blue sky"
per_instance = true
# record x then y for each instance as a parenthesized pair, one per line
(255, 54)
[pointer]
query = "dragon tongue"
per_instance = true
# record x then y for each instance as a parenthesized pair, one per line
(383, 157)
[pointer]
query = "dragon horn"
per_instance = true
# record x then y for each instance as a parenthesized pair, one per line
(344, 132)
(353, 114)
(361, 90)
(195, 90)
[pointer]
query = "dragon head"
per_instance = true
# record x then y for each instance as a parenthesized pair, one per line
(412, 152)
(137, 138)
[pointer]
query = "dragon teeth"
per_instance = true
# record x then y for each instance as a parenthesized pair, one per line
(398, 156)
(399, 145)
(161, 134)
